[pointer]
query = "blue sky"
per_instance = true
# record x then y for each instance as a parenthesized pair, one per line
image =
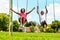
(33, 16)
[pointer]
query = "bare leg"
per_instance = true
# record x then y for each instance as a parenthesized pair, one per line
(20, 21)
(24, 21)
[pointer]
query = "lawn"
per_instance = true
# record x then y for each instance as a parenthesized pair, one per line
(29, 36)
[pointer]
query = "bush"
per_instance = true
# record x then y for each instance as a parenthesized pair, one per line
(50, 30)
(55, 25)
(59, 25)
(4, 21)
(32, 28)
(41, 29)
(15, 25)
(27, 24)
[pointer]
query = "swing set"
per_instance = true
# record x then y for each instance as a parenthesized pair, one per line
(11, 15)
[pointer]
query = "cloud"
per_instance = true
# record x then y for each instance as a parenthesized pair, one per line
(57, 9)
(4, 6)
(50, 15)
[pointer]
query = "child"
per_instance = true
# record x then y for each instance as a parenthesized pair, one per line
(43, 16)
(23, 15)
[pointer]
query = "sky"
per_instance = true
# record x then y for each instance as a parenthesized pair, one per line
(33, 16)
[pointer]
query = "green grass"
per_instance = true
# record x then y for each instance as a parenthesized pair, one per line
(29, 36)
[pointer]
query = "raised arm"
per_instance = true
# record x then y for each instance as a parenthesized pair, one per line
(37, 9)
(14, 11)
(46, 9)
(30, 10)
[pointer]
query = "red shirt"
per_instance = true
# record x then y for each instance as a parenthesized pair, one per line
(23, 15)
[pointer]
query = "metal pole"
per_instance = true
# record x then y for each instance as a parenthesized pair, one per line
(26, 5)
(46, 13)
(17, 6)
(39, 14)
(54, 9)
(10, 12)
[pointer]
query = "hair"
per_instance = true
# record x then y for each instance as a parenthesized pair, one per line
(42, 12)
(21, 9)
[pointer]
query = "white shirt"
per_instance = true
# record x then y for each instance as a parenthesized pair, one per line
(42, 17)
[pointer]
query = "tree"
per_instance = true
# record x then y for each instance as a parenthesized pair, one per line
(59, 25)
(15, 25)
(30, 24)
(4, 21)
(55, 25)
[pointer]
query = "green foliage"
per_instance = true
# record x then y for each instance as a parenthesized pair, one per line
(15, 25)
(27, 24)
(59, 25)
(55, 25)
(30, 24)
(50, 30)
(4, 21)
(41, 29)
(32, 28)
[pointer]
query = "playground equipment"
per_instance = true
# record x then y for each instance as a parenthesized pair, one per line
(38, 11)
(10, 12)
(54, 10)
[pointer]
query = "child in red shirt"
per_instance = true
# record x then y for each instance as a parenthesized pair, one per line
(23, 15)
